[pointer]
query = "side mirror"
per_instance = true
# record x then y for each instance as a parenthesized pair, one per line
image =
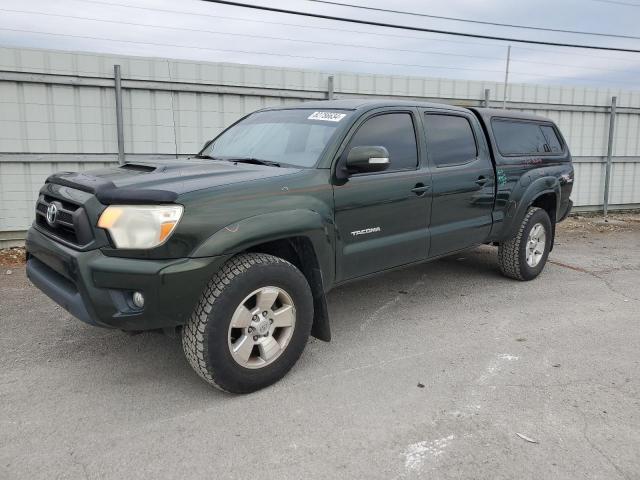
(367, 159)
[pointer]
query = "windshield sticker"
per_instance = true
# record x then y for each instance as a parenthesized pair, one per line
(327, 116)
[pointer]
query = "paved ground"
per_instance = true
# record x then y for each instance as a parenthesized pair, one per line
(556, 360)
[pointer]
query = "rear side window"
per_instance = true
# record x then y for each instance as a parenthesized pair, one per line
(395, 132)
(552, 138)
(450, 140)
(524, 138)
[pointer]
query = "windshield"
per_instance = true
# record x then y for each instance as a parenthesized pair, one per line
(294, 137)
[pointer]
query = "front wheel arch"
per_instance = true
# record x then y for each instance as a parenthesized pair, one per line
(300, 252)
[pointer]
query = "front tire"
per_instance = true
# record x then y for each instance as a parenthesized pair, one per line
(524, 256)
(251, 324)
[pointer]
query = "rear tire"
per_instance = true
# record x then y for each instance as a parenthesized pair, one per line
(236, 338)
(524, 256)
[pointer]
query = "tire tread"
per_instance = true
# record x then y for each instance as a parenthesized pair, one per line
(509, 250)
(193, 332)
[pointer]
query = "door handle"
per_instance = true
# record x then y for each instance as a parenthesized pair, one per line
(481, 181)
(420, 189)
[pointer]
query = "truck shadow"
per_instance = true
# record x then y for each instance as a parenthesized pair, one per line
(151, 362)
(447, 279)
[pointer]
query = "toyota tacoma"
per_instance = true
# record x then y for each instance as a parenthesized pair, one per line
(237, 247)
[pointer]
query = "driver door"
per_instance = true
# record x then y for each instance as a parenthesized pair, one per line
(382, 217)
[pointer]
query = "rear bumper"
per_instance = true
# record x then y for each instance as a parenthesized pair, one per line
(567, 211)
(97, 289)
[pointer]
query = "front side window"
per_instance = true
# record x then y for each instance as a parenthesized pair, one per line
(395, 132)
(291, 137)
(450, 140)
(524, 138)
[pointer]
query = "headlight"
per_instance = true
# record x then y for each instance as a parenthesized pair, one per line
(140, 226)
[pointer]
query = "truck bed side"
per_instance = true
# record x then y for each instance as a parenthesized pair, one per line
(539, 178)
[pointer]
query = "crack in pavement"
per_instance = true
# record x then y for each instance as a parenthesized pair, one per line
(596, 274)
(532, 386)
(593, 446)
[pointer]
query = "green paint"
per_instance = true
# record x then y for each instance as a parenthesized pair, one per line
(502, 177)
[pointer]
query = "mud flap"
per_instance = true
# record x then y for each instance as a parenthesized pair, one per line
(321, 328)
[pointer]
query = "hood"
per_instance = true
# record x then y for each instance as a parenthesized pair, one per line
(162, 181)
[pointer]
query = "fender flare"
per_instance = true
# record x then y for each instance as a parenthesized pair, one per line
(244, 234)
(518, 208)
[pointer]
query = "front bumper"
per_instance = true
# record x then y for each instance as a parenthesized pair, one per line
(97, 288)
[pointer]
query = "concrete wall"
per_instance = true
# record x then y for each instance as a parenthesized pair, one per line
(57, 112)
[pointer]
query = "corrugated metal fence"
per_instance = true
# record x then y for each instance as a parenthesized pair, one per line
(57, 112)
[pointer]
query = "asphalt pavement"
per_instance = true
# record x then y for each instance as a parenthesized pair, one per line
(444, 370)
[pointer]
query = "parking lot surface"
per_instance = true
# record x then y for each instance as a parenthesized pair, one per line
(443, 370)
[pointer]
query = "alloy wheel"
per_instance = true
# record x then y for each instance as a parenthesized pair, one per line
(536, 244)
(261, 327)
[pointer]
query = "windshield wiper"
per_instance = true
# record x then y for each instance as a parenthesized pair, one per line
(253, 161)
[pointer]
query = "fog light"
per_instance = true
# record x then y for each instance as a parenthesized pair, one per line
(138, 299)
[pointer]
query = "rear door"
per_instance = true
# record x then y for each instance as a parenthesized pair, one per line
(463, 181)
(382, 217)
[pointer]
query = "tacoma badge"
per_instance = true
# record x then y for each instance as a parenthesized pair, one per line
(365, 231)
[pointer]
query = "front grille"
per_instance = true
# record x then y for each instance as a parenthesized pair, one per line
(70, 225)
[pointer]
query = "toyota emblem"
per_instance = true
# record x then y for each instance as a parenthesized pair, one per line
(52, 214)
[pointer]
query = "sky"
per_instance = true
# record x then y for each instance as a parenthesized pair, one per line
(198, 30)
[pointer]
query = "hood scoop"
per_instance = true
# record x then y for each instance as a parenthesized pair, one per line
(138, 167)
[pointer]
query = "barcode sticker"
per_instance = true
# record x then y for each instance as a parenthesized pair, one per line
(327, 116)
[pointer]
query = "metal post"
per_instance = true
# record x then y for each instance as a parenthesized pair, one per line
(607, 176)
(330, 88)
(119, 126)
(487, 94)
(506, 78)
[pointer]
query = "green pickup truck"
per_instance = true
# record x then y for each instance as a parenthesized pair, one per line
(236, 247)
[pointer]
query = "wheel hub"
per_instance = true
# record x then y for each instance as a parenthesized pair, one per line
(261, 327)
